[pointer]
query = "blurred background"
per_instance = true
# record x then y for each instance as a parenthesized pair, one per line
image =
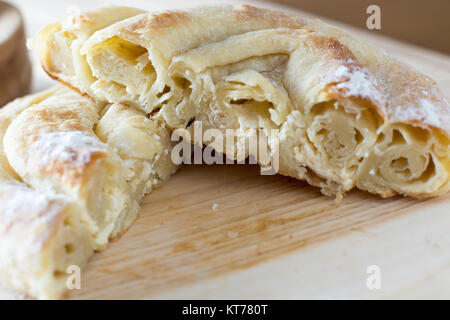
(421, 22)
(418, 30)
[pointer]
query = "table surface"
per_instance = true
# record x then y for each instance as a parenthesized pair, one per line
(270, 237)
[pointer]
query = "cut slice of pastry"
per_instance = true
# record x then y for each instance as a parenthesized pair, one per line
(348, 114)
(41, 232)
(72, 174)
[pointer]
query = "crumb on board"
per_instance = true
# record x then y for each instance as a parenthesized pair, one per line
(232, 234)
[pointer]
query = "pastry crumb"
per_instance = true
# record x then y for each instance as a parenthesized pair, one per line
(232, 234)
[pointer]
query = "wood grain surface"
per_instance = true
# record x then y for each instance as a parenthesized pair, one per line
(228, 232)
(181, 240)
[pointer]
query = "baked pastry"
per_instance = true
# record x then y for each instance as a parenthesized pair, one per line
(15, 67)
(348, 114)
(70, 180)
(41, 231)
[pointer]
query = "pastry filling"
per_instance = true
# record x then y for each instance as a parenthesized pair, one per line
(406, 157)
(123, 71)
(266, 79)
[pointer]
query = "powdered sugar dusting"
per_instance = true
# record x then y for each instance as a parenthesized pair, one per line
(26, 201)
(427, 112)
(356, 81)
(74, 18)
(75, 147)
(30, 214)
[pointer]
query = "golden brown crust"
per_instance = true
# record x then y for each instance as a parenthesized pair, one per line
(246, 12)
(387, 71)
(410, 96)
(346, 94)
(66, 186)
(65, 83)
(160, 21)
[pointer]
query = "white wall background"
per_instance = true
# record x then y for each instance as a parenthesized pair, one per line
(40, 13)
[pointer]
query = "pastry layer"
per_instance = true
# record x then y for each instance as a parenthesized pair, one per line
(348, 113)
(72, 175)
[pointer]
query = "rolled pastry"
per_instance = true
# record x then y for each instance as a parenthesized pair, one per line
(70, 180)
(348, 114)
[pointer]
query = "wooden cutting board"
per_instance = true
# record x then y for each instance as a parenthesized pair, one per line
(227, 232)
